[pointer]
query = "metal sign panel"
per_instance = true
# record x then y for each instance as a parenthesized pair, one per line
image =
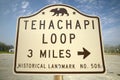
(59, 39)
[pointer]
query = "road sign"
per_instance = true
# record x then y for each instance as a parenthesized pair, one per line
(59, 39)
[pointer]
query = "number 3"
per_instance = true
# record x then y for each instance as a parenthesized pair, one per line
(31, 53)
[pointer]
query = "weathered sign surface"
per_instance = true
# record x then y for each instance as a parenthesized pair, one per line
(59, 39)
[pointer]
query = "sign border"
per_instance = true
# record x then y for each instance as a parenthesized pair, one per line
(57, 72)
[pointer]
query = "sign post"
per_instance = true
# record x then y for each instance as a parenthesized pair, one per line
(59, 40)
(58, 77)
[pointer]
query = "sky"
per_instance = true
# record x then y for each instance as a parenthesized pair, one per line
(107, 10)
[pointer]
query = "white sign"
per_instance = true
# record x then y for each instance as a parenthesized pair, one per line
(59, 40)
